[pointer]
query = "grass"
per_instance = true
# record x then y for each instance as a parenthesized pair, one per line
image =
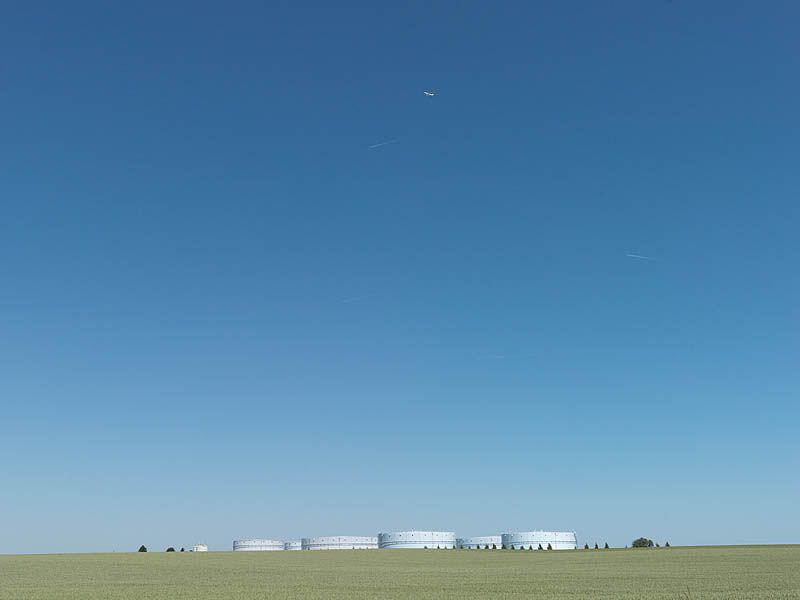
(729, 573)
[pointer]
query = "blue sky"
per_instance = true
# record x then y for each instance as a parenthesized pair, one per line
(224, 315)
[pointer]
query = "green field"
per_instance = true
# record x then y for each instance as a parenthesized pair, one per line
(705, 572)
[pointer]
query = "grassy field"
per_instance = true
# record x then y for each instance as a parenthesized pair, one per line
(730, 573)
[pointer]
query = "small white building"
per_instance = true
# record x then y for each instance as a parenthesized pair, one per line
(199, 548)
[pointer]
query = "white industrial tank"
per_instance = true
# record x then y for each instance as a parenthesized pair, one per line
(531, 540)
(257, 545)
(417, 539)
(340, 542)
(199, 548)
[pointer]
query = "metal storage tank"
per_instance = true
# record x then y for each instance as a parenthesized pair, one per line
(257, 545)
(293, 545)
(482, 542)
(417, 539)
(199, 548)
(559, 540)
(340, 542)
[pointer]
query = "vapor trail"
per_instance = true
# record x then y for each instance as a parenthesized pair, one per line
(382, 144)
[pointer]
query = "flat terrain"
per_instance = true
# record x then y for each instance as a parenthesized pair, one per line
(730, 573)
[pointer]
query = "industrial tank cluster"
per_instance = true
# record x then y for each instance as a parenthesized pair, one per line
(443, 540)
(522, 540)
(333, 542)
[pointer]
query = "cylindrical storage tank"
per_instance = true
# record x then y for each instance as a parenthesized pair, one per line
(199, 548)
(483, 542)
(417, 539)
(340, 542)
(293, 545)
(531, 540)
(257, 545)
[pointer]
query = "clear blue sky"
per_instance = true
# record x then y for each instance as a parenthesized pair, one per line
(224, 315)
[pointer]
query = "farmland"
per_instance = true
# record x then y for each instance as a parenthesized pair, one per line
(730, 573)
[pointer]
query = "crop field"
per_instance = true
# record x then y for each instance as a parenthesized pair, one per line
(729, 573)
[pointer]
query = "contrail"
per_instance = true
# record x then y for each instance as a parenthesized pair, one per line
(638, 256)
(382, 144)
(502, 355)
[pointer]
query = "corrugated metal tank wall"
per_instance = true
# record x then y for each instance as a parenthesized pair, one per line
(293, 545)
(559, 540)
(417, 539)
(481, 542)
(257, 545)
(340, 542)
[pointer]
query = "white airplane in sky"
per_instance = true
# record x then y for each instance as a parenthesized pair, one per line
(427, 93)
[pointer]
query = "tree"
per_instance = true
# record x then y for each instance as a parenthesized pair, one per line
(512, 547)
(585, 546)
(142, 548)
(666, 545)
(494, 546)
(642, 543)
(170, 549)
(606, 546)
(183, 549)
(549, 547)
(657, 546)
(596, 547)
